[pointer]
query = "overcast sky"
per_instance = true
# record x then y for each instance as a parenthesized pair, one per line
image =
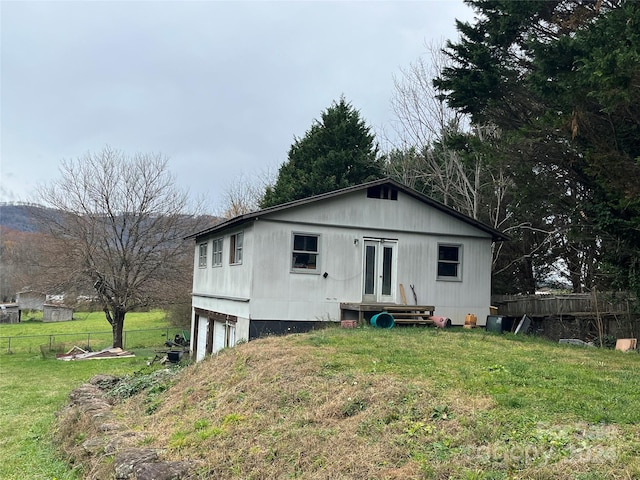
(221, 88)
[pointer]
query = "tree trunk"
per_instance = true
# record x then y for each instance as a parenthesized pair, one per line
(117, 327)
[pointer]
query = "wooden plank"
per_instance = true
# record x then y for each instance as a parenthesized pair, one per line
(404, 297)
(410, 314)
(412, 308)
(414, 320)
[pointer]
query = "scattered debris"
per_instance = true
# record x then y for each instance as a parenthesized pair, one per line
(524, 325)
(77, 353)
(575, 341)
(471, 320)
(626, 344)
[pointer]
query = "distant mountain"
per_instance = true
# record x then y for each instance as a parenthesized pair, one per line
(21, 217)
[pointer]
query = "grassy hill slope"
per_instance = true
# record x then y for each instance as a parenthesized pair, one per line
(401, 403)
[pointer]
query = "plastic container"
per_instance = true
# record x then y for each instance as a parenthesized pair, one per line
(383, 320)
(471, 319)
(174, 356)
(441, 322)
(498, 323)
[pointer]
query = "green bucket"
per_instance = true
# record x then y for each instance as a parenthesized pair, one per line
(383, 320)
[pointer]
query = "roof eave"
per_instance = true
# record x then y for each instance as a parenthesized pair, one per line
(496, 235)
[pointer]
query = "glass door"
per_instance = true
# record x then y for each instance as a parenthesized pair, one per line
(379, 271)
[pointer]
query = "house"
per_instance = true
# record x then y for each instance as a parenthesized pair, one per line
(288, 267)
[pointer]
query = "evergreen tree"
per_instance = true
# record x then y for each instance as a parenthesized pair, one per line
(337, 152)
(560, 78)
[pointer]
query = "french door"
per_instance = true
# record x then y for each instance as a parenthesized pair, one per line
(379, 276)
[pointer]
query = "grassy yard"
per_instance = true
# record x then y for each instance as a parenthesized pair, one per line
(33, 388)
(86, 328)
(410, 403)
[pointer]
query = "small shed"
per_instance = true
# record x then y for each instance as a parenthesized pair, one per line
(9, 313)
(31, 300)
(57, 313)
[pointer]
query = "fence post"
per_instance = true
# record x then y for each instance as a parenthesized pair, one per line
(9, 347)
(50, 342)
(124, 340)
(89, 340)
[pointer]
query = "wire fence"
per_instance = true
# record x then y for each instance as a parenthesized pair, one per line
(91, 341)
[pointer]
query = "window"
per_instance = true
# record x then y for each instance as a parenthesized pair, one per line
(305, 252)
(235, 248)
(449, 257)
(217, 252)
(202, 256)
(383, 192)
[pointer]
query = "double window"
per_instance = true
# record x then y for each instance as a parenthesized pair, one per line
(306, 252)
(235, 248)
(449, 262)
(202, 255)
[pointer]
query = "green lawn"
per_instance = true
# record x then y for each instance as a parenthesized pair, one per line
(86, 328)
(411, 403)
(454, 403)
(33, 388)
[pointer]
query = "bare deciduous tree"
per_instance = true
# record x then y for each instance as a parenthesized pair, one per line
(122, 224)
(421, 115)
(245, 193)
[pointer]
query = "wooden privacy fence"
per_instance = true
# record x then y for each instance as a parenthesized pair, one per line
(575, 304)
(586, 316)
(147, 338)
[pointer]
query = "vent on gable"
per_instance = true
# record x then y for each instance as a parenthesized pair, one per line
(383, 192)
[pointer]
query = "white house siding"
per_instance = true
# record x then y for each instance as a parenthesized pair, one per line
(280, 294)
(236, 308)
(225, 281)
(264, 289)
(355, 210)
(199, 345)
(452, 299)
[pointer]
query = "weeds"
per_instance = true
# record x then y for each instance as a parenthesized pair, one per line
(411, 404)
(152, 381)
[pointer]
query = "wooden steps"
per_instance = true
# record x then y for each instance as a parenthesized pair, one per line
(407, 314)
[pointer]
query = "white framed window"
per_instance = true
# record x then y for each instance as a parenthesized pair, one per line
(449, 262)
(202, 255)
(235, 248)
(305, 253)
(216, 254)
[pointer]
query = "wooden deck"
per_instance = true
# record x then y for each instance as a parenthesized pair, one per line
(410, 314)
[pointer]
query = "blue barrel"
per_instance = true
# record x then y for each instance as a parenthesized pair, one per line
(383, 320)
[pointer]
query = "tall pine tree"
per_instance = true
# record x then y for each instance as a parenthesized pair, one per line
(560, 78)
(338, 151)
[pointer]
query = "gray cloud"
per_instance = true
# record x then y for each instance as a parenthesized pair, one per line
(222, 88)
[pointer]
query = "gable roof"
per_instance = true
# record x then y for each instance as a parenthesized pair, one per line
(496, 235)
